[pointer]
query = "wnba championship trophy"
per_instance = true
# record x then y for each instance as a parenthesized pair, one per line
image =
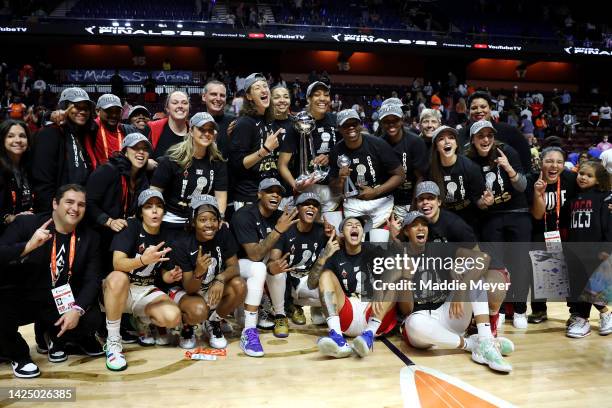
(304, 124)
(349, 187)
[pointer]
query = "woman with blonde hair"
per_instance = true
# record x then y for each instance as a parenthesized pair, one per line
(191, 168)
(173, 128)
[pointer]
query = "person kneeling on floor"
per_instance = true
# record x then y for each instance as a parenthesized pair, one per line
(51, 270)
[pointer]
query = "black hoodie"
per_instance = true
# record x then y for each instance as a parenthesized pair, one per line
(59, 157)
(108, 192)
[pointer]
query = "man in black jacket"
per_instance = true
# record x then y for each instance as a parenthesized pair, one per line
(215, 99)
(50, 274)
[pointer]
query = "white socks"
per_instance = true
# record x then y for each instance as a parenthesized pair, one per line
(250, 319)
(333, 322)
(113, 327)
(373, 325)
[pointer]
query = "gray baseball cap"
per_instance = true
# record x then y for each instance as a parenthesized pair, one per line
(302, 198)
(108, 101)
(146, 195)
(313, 87)
(345, 115)
(366, 223)
(202, 118)
(132, 139)
(395, 101)
(251, 79)
(74, 95)
(412, 216)
(479, 125)
(427, 187)
(204, 199)
(441, 129)
(270, 182)
(390, 109)
(392, 101)
(138, 108)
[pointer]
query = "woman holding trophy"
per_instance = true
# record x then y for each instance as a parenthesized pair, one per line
(312, 138)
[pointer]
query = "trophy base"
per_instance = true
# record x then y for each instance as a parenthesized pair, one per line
(302, 179)
(319, 175)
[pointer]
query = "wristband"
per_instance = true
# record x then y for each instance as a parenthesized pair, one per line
(266, 149)
(141, 261)
(277, 231)
(79, 309)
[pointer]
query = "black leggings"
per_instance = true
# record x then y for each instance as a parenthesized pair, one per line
(18, 312)
(514, 228)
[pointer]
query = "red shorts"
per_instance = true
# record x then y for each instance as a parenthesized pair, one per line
(354, 317)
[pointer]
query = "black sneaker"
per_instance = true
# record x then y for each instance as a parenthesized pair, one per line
(57, 354)
(537, 317)
(25, 369)
(91, 346)
(127, 337)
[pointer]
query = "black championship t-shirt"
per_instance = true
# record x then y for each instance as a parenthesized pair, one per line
(222, 247)
(428, 276)
(133, 241)
(249, 226)
(567, 192)
(202, 177)
(590, 217)
(413, 155)
(498, 182)
(451, 228)
(167, 139)
(354, 271)
(248, 137)
(463, 183)
(324, 138)
(303, 247)
(371, 163)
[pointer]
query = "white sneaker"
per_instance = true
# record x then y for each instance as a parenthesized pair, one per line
(115, 359)
(605, 323)
(163, 338)
(579, 328)
(146, 337)
(487, 352)
(520, 320)
(187, 339)
(264, 320)
(215, 334)
(316, 315)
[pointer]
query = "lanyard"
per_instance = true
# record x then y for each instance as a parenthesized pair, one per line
(124, 195)
(558, 204)
(71, 253)
(103, 134)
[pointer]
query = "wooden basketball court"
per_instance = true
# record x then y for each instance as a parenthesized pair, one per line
(550, 370)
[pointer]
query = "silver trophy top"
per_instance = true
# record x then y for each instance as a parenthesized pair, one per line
(304, 123)
(344, 161)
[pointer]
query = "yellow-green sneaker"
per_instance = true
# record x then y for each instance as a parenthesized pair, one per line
(281, 326)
